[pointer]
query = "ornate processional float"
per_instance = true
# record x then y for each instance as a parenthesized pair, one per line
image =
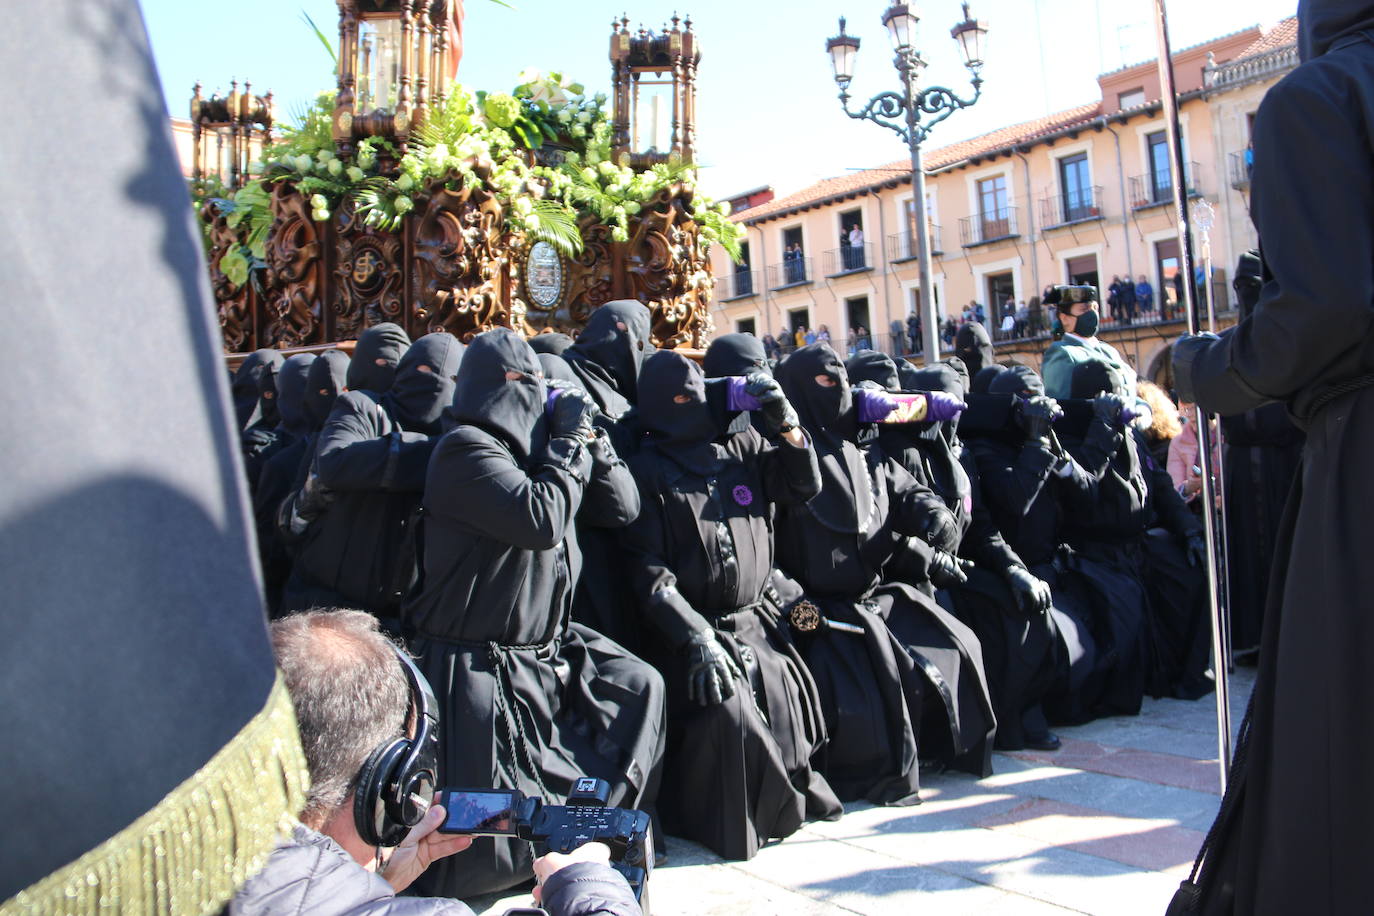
(403, 196)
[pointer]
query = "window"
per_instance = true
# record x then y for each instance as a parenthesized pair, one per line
(744, 277)
(852, 243)
(993, 211)
(797, 319)
(1166, 268)
(1132, 98)
(1000, 287)
(1075, 188)
(745, 326)
(1161, 181)
(1083, 271)
(793, 256)
(860, 335)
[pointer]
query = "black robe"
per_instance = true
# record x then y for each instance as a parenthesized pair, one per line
(530, 702)
(915, 656)
(364, 487)
(1294, 836)
(1262, 452)
(274, 477)
(605, 361)
(700, 555)
(1021, 654)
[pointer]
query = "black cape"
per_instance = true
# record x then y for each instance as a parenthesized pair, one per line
(1294, 836)
(540, 701)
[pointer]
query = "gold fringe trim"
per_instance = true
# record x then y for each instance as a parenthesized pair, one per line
(190, 853)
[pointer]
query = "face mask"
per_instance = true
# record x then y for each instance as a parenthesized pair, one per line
(1086, 325)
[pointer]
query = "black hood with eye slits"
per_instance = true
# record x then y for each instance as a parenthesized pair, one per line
(385, 342)
(324, 382)
(513, 409)
(292, 386)
(735, 354)
(418, 396)
(619, 353)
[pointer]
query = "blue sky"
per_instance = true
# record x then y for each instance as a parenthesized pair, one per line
(768, 113)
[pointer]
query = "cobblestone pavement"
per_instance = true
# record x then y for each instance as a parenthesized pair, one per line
(1109, 824)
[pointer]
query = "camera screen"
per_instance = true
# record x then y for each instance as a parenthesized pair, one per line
(488, 812)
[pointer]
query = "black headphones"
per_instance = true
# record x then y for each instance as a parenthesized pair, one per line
(396, 783)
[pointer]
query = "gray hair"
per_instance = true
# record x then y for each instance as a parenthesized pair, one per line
(349, 693)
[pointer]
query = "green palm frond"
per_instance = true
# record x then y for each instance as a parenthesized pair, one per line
(329, 48)
(558, 227)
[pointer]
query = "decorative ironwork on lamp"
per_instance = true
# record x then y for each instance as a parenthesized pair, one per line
(239, 125)
(644, 133)
(393, 65)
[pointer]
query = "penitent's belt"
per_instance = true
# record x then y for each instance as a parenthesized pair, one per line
(1339, 390)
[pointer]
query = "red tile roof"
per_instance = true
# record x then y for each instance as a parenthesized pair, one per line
(1281, 35)
(857, 183)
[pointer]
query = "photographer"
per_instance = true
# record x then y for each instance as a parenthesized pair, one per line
(351, 697)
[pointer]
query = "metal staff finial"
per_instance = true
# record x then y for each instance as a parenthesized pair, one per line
(1169, 101)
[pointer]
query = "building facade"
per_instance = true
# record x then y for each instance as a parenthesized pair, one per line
(1079, 196)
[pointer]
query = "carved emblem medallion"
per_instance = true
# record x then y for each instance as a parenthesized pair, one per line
(543, 276)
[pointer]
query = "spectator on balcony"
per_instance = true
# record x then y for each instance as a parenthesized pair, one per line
(770, 347)
(1114, 298)
(1126, 299)
(799, 336)
(979, 315)
(1022, 319)
(949, 331)
(898, 341)
(794, 267)
(1144, 296)
(823, 334)
(856, 247)
(809, 337)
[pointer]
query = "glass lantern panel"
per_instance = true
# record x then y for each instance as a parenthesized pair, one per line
(379, 64)
(651, 130)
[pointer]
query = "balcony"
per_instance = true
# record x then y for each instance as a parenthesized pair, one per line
(1155, 190)
(901, 246)
(849, 259)
(1075, 205)
(985, 228)
(737, 285)
(1239, 170)
(788, 274)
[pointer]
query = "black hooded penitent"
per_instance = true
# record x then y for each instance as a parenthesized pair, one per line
(735, 354)
(973, 345)
(609, 352)
(140, 692)
(554, 700)
(700, 556)
(551, 343)
(245, 386)
(326, 380)
(376, 356)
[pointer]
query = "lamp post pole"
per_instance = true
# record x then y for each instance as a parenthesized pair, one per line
(902, 113)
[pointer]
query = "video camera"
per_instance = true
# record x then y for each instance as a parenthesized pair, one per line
(558, 828)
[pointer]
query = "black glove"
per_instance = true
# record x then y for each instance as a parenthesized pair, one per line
(1196, 545)
(1187, 349)
(1107, 408)
(711, 674)
(946, 570)
(940, 529)
(1032, 594)
(1037, 416)
(572, 416)
(776, 410)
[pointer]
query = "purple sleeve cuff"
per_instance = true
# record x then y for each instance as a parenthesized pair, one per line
(552, 399)
(736, 397)
(873, 406)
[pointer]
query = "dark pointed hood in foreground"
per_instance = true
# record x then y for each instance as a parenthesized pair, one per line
(424, 382)
(735, 354)
(619, 351)
(1322, 23)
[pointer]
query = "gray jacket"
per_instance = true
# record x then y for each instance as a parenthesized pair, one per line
(309, 874)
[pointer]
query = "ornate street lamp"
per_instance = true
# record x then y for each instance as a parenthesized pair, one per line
(902, 112)
(393, 61)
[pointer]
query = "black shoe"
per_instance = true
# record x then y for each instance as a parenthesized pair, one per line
(1049, 741)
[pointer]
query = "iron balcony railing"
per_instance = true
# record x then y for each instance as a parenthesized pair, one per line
(737, 285)
(1072, 205)
(988, 227)
(1158, 188)
(1240, 165)
(901, 246)
(848, 259)
(792, 272)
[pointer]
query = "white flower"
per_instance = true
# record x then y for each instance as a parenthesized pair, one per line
(632, 208)
(403, 205)
(578, 131)
(529, 75)
(302, 163)
(405, 182)
(334, 167)
(523, 206)
(584, 117)
(319, 202)
(601, 98)
(564, 116)
(324, 155)
(319, 216)
(355, 174)
(618, 234)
